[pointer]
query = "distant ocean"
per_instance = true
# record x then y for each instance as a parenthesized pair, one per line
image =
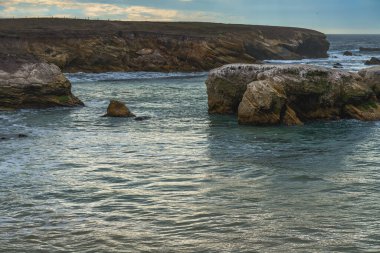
(184, 180)
(342, 43)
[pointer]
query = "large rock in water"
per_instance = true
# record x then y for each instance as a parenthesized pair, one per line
(28, 83)
(292, 94)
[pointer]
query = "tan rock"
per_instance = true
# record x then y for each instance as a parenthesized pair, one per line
(364, 112)
(30, 83)
(292, 94)
(118, 109)
(290, 117)
(262, 104)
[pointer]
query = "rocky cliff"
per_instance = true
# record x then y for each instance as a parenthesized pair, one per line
(293, 94)
(97, 46)
(29, 83)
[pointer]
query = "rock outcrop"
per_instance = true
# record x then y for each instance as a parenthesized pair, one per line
(29, 83)
(118, 109)
(292, 94)
(99, 46)
(371, 77)
(373, 61)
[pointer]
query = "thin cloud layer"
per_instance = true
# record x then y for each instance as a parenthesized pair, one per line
(71, 8)
(330, 16)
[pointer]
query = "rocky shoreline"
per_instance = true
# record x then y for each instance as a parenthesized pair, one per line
(100, 46)
(293, 94)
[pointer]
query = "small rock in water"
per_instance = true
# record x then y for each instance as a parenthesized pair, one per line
(118, 109)
(22, 136)
(373, 61)
(337, 65)
(347, 53)
(142, 118)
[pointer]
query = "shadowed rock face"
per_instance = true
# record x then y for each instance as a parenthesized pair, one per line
(29, 83)
(372, 78)
(98, 46)
(292, 94)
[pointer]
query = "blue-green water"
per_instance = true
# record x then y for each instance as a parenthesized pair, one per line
(183, 181)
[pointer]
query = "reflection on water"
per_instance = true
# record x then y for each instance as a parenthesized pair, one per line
(183, 181)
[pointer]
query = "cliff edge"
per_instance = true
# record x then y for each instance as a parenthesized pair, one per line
(97, 46)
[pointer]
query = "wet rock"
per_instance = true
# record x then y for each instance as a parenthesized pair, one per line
(292, 94)
(13, 136)
(348, 53)
(26, 82)
(118, 109)
(373, 61)
(337, 65)
(142, 118)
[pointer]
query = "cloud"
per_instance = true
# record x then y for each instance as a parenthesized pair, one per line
(71, 8)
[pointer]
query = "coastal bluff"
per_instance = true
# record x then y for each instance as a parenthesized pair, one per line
(26, 82)
(293, 94)
(76, 45)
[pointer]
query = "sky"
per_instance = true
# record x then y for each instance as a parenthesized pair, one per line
(328, 16)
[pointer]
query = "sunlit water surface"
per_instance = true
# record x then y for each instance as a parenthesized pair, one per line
(182, 181)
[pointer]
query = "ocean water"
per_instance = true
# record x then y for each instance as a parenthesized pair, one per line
(183, 180)
(338, 45)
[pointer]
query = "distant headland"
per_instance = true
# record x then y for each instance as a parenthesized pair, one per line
(77, 45)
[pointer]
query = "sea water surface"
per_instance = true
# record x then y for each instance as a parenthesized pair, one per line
(183, 180)
(338, 45)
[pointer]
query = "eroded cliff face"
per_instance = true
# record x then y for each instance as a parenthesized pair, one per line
(98, 46)
(292, 94)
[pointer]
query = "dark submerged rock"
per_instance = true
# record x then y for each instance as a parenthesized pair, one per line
(373, 61)
(337, 65)
(142, 118)
(348, 53)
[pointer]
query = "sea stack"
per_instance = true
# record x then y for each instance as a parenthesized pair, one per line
(26, 82)
(292, 94)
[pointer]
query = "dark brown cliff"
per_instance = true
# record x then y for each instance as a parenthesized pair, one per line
(97, 46)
